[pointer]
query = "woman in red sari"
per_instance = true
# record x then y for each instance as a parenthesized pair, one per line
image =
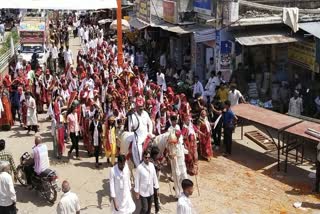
(205, 136)
(189, 138)
(6, 120)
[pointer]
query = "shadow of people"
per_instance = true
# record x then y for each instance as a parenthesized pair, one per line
(105, 191)
(91, 165)
(164, 199)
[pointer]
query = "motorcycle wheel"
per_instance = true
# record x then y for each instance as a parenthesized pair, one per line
(50, 193)
(21, 176)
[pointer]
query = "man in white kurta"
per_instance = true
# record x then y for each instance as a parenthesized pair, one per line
(184, 205)
(32, 120)
(161, 80)
(146, 181)
(210, 88)
(142, 120)
(69, 202)
(295, 104)
(120, 188)
(176, 156)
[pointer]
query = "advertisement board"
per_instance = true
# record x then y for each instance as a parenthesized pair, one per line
(203, 6)
(170, 11)
(303, 54)
(225, 55)
(32, 37)
(143, 10)
(40, 26)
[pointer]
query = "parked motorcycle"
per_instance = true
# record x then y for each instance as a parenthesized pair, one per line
(46, 183)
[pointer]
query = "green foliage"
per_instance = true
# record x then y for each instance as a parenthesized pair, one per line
(6, 44)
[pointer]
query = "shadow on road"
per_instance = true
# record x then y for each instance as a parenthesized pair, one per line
(91, 165)
(104, 192)
(24, 195)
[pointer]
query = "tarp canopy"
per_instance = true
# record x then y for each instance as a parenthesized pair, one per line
(263, 37)
(59, 4)
(311, 27)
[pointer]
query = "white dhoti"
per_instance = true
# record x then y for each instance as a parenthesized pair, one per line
(179, 172)
(32, 119)
(136, 153)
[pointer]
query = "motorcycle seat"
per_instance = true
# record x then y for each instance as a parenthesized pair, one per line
(46, 173)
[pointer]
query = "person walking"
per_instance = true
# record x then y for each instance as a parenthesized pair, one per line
(73, 130)
(229, 119)
(184, 205)
(15, 103)
(32, 120)
(68, 56)
(96, 132)
(216, 108)
(8, 196)
(69, 202)
(145, 182)
(120, 188)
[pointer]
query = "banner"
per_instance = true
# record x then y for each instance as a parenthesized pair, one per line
(203, 6)
(303, 54)
(32, 26)
(170, 11)
(32, 37)
(143, 10)
(225, 55)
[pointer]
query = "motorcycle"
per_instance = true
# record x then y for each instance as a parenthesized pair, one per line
(46, 183)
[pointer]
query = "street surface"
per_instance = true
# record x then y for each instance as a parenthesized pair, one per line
(246, 182)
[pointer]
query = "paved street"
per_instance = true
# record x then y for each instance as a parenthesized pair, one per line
(247, 182)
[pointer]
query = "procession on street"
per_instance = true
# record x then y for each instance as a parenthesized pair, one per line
(145, 105)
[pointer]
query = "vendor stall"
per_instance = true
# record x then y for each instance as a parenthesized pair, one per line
(297, 136)
(270, 120)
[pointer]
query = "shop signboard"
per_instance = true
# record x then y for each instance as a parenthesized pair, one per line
(170, 11)
(203, 6)
(303, 54)
(143, 10)
(225, 55)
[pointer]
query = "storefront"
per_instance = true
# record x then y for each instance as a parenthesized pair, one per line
(203, 46)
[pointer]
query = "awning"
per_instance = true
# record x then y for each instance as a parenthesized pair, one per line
(182, 29)
(205, 35)
(263, 37)
(311, 27)
(137, 24)
(60, 4)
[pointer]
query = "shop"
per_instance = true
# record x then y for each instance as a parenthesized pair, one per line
(203, 46)
(274, 60)
(262, 64)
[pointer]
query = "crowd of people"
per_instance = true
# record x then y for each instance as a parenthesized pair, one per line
(110, 107)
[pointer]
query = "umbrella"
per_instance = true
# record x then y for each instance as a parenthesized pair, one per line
(104, 21)
(125, 25)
